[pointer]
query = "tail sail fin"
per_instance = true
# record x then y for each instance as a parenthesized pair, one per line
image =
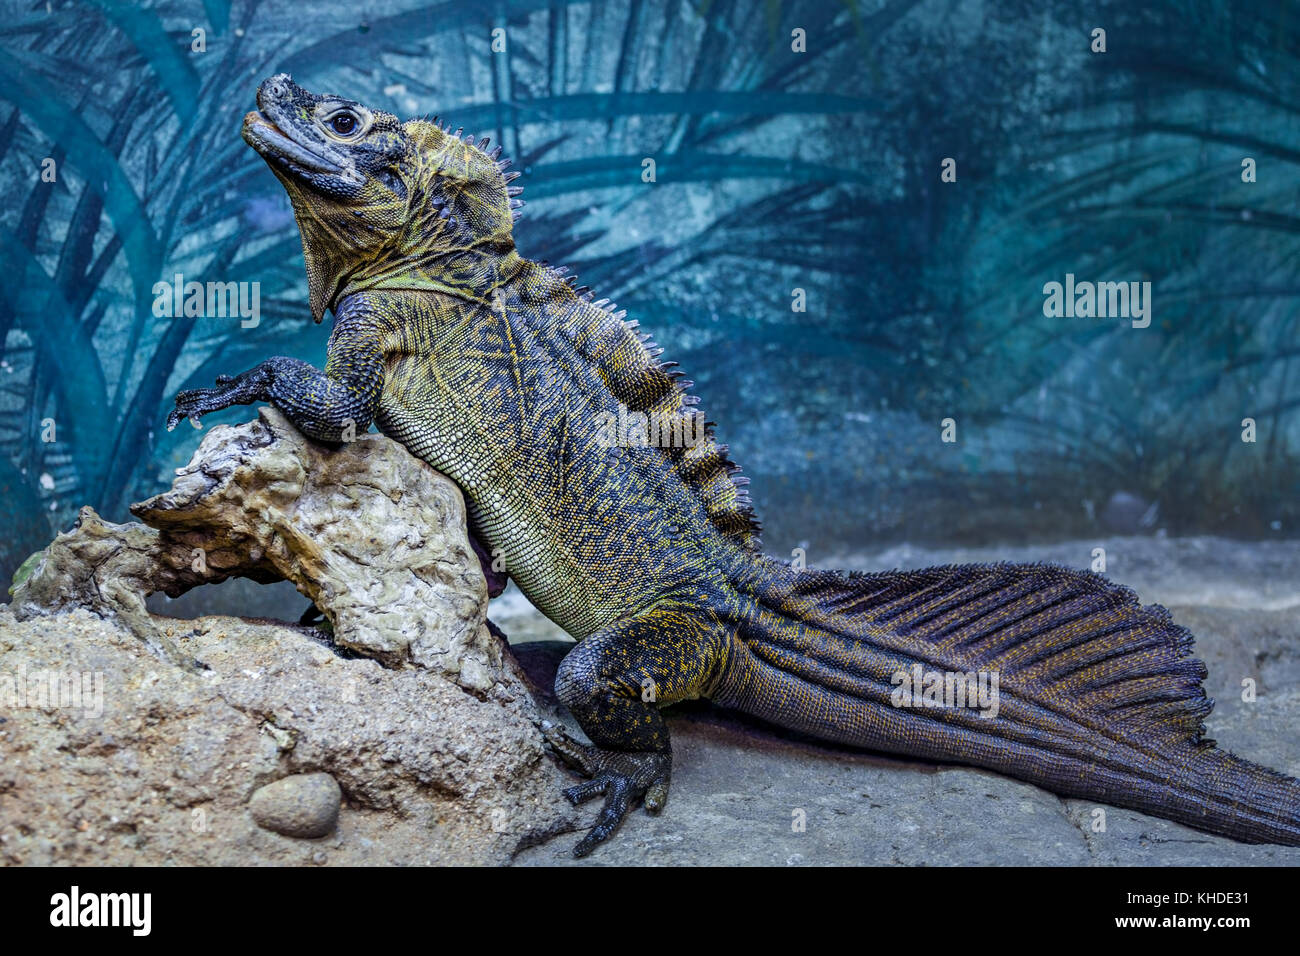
(1095, 695)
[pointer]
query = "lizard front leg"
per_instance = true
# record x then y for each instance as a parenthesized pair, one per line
(614, 683)
(330, 405)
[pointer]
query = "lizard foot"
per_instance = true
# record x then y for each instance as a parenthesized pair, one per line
(622, 776)
(193, 403)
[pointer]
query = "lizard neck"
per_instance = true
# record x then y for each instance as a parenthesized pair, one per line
(472, 274)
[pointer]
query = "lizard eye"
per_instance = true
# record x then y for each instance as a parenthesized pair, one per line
(344, 124)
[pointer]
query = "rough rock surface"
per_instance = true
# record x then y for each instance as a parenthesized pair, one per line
(159, 732)
(375, 537)
(429, 772)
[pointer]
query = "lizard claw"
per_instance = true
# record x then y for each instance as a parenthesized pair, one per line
(621, 777)
(184, 410)
(194, 403)
(618, 794)
(175, 416)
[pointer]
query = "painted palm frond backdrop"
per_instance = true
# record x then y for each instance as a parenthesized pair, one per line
(782, 175)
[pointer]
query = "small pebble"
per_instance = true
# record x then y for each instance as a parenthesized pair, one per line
(304, 805)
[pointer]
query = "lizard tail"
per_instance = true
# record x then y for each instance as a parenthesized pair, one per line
(1054, 676)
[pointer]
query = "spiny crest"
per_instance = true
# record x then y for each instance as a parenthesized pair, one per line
(470, 179)
(628, 362)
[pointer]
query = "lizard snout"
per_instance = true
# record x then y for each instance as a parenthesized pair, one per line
(276, 89)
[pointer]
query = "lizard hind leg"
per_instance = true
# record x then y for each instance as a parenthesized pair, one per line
(614, 683)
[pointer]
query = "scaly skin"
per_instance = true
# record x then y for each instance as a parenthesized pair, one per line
(497, 372)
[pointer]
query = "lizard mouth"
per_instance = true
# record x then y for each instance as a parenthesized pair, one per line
(274, 144)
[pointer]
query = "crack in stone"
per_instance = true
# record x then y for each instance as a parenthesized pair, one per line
(1083, 831)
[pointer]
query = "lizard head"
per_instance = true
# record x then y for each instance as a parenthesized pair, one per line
(381, 203)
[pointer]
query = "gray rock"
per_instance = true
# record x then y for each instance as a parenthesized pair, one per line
(374, 536)
(411, 706)
(160, 770)
(302, 805)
